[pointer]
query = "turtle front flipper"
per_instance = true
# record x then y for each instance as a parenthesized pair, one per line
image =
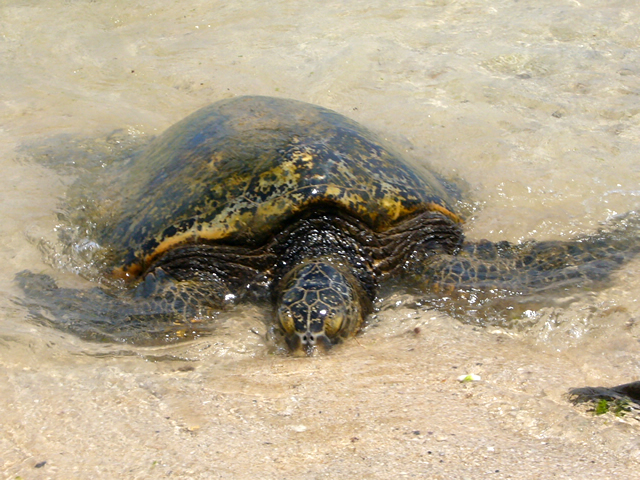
(159, 310)
(493, 279)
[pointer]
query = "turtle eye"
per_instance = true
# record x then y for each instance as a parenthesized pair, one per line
(285, 320)
(333, 319)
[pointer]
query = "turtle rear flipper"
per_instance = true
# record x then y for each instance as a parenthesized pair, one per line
(502, 279)
(160, 310)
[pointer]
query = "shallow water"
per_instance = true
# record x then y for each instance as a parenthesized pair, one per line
(534, 108)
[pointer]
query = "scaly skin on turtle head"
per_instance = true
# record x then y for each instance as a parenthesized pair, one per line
(320, 303)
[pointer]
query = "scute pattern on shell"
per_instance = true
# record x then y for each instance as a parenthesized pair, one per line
(236, 171)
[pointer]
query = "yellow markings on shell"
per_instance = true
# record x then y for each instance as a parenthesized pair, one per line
(445, 211)
(170, 242)
(274, 207)
(333, 192)
(285, 172)
(354, 197)
(302, 156)
(394, 208)
(351, 200)
(354, 202)
(215, 159)
(219, 229)
(127, 273)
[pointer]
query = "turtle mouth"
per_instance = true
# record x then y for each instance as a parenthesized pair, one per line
(309, 342)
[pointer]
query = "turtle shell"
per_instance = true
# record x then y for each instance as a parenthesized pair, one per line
(237, 171)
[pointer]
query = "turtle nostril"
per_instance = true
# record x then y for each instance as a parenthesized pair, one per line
(308, 339)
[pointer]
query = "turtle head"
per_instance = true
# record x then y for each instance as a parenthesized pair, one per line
(320, 302)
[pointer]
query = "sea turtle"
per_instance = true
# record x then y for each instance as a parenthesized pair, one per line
(279, 200)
